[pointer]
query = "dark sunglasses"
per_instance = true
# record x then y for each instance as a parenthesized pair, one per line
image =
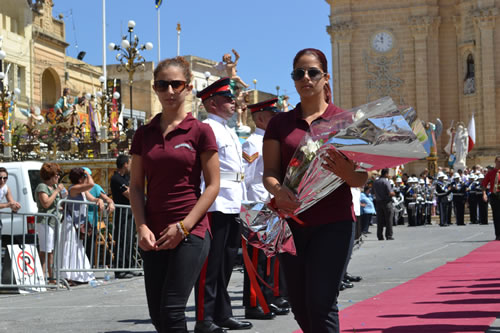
(313, 73)
(177, 85)
(4, 178)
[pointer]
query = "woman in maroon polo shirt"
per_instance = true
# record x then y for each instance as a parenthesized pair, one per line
(313, 276)
(170, 154)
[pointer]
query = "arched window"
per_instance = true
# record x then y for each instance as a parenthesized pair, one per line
(470, 76)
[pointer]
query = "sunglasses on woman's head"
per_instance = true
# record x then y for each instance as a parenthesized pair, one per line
(313, 73)
(177, 85)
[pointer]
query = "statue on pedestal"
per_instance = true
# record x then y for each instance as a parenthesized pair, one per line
(230, 67)
(461, 146)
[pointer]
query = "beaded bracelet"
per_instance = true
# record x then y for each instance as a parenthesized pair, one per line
(182, 228)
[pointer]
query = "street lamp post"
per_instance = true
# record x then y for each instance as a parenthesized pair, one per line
(130, 58)
(105, 107)
(277, 91)
(207, 75)
(7, 99)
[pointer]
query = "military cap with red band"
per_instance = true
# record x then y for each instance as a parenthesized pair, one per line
(268, 105)
(221, 87)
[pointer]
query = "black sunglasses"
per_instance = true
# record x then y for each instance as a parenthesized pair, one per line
(4, 178)
(313, 73)
(177, 85)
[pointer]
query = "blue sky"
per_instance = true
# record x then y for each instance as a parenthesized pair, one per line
(267, 34)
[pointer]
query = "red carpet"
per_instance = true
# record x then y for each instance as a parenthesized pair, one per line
(460, 296)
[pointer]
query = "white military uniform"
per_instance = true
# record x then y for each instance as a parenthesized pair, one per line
(231, 167)
(254, 167)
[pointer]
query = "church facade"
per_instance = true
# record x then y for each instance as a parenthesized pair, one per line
(438, 56)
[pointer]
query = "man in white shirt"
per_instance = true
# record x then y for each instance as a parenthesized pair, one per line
(213, 304)
(254, 170)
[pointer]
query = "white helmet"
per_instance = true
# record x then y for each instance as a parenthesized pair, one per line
(480, 176)
(456, 175)
(445, 177)
(473, 177)
(440, 174)
(399, 180)
(421, 181)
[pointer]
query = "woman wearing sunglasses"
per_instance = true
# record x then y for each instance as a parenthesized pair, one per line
(169, 155)
(314, 275)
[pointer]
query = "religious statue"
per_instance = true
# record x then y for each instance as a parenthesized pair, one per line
(35, 120)
(433, 132)
(230, 67)
(461, 146)
(241, 99)
(449, 149)
(63, 107)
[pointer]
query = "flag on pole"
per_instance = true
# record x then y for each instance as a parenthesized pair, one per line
(158, 3)
(472, 133)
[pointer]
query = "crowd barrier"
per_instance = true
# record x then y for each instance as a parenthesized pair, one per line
(86, 242)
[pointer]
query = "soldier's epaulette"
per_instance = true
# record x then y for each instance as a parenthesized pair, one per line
(250, 158)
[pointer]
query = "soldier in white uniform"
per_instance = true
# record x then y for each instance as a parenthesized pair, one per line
(213, 304)
(265, 267)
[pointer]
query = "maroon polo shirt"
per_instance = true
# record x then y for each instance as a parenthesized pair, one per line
(288, 128)
(173, 170)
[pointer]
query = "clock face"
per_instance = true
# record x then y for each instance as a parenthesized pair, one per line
(382, 41)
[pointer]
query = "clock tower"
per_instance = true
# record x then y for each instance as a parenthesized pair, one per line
(438, 56)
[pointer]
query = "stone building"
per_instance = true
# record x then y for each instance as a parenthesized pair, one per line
(438, 56)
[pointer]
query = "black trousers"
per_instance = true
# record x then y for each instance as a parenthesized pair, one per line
(473, 208)
(212, 298)
(459, 209)
(264, 267)
(313, 276)
(169, 277)
(443, 211)
(495, 207)
(365, 222)
(483, 211)
(124, 236)
(385, 215)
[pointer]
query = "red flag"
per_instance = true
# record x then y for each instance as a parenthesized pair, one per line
(472, 133)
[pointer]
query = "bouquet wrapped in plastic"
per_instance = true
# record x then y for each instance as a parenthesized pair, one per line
(375, 135)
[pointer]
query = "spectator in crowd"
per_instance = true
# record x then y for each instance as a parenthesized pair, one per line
(47, 195)
(123, 226)
(94, 218)
(5, 195)
(73, 257)
(367, 209)
(383, 204)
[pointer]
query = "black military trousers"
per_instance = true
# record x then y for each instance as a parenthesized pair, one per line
(473, 208)
(459, 209)
(264, 267)
(483, 211)
(495, 207)
(211, 296)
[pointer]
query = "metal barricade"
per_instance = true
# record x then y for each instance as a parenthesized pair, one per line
(91, 241)
(22, 266)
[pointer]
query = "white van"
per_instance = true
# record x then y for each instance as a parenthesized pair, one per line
(23, 180)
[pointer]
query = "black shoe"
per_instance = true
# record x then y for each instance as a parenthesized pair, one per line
(235, 324)
(381, 238)
(498, 238)
(206, 326)
(137, 273)
(390, 238)
(281, 302)
(123, 275)
(345, 285)
(352, 278)
(256, 312)
(279, 311)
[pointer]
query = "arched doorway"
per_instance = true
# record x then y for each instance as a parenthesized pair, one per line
(51, 88)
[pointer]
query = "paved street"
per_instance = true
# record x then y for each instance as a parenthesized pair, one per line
(120, 305)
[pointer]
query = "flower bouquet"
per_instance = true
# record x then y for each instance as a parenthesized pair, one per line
(375, 135)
